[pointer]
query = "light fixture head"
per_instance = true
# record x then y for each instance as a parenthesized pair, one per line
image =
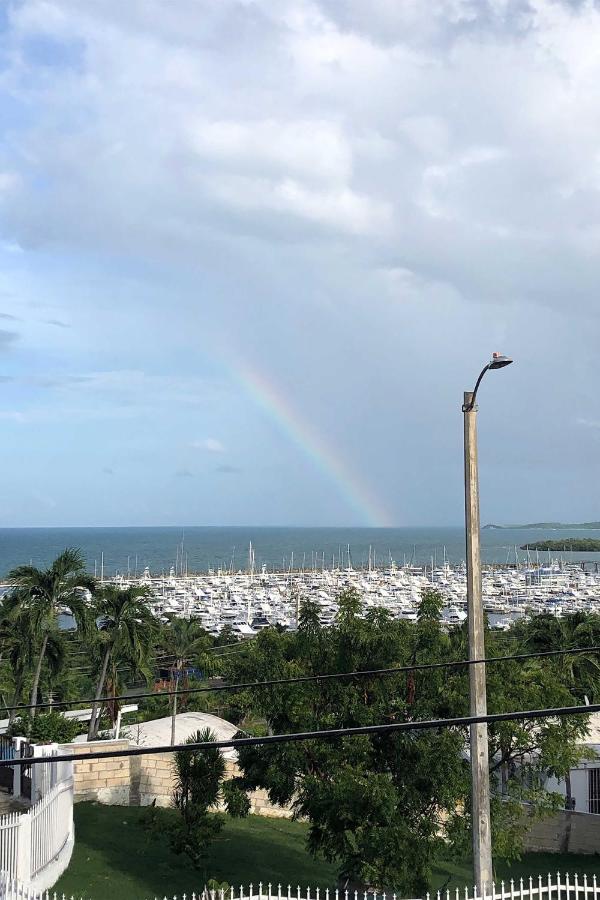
(499, 361)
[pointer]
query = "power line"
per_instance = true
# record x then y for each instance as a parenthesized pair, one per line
(330, 734)
(303, 679)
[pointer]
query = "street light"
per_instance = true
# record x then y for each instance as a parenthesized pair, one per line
(480, 776)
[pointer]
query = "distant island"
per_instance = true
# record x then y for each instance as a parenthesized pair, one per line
(593, 526)
(580, 545)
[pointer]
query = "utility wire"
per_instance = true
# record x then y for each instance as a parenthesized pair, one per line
(327, 735)
(303, 679)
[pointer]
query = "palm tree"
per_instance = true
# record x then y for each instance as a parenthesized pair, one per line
(18, 646)
(126, 629)
(186, 641)
(45, 593)
(579, 672)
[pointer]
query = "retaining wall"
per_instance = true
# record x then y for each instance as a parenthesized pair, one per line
(566, 832)
(141, 780)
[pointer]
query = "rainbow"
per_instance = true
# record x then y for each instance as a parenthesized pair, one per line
(354, 492)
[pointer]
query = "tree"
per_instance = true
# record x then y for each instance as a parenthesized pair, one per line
(380, 806)
(384, 807)
(18, 646)
(47, 727)
(579, 673)
(126, 629)
(546, 632)
(198, 789)
(186, 641)
(44, 593)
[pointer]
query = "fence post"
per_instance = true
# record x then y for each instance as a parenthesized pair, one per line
(23, 873)
(17, 744)
(41, 775)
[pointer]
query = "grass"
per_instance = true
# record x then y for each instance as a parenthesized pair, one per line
(452, 874)
(116, 859)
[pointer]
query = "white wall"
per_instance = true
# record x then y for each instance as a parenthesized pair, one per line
(579, 780)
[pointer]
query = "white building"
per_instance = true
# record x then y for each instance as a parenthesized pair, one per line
(585, 778)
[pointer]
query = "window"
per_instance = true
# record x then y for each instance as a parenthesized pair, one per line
(594, 790)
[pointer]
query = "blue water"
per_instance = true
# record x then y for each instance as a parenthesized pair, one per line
(211, 547)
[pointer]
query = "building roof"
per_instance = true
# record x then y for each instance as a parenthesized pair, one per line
(80, 715)
(157, 732)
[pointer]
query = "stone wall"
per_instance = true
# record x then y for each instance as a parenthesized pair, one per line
(141, 780)
(260, 804)
(104, 780)
(152, 779)
(566, 832)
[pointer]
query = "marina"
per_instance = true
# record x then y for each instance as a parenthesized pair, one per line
(249, 600)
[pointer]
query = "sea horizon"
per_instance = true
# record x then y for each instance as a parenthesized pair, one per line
(129, 549)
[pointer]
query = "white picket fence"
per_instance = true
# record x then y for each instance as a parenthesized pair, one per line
(549, 887)
(13, 890)
(32, 841)
(51, 825)
(45, 777)
(559, 887)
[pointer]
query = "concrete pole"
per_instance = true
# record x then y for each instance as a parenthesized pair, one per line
(480, 775)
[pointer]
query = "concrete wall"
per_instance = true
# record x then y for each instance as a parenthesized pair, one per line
(567, 832)
(141, 780)
(579, 785)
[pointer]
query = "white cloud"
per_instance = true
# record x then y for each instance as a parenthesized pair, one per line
(588, 423)
(314, 149)
(344, 195)
(211, 444)
(316, 122)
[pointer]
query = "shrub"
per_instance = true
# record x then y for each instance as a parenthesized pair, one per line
(45, 728)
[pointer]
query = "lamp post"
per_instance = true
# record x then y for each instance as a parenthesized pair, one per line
(480, 776)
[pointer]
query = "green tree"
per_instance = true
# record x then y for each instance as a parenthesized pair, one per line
(199, 775)
(44, 593)
(126, 630)
(187, 642)
(380, 806)
(47, 727)
(17, 641)
(547, 632)
(384, 807)
(575, 676)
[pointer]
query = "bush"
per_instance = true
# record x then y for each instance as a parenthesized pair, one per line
(199, 776)
(45, 728)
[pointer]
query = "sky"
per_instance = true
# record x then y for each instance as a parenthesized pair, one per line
(252, 252)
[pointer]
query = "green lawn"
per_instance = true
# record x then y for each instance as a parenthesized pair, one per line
(458, 874)
(116, 859)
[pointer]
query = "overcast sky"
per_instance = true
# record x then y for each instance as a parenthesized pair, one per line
(253, 251)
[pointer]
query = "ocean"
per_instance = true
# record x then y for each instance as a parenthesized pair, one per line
(159, 548)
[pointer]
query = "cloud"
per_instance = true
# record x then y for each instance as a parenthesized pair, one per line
(368, 196)
(56, 322)
(7, 338)
(212, 445)
(13, 415)
(394, 127)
